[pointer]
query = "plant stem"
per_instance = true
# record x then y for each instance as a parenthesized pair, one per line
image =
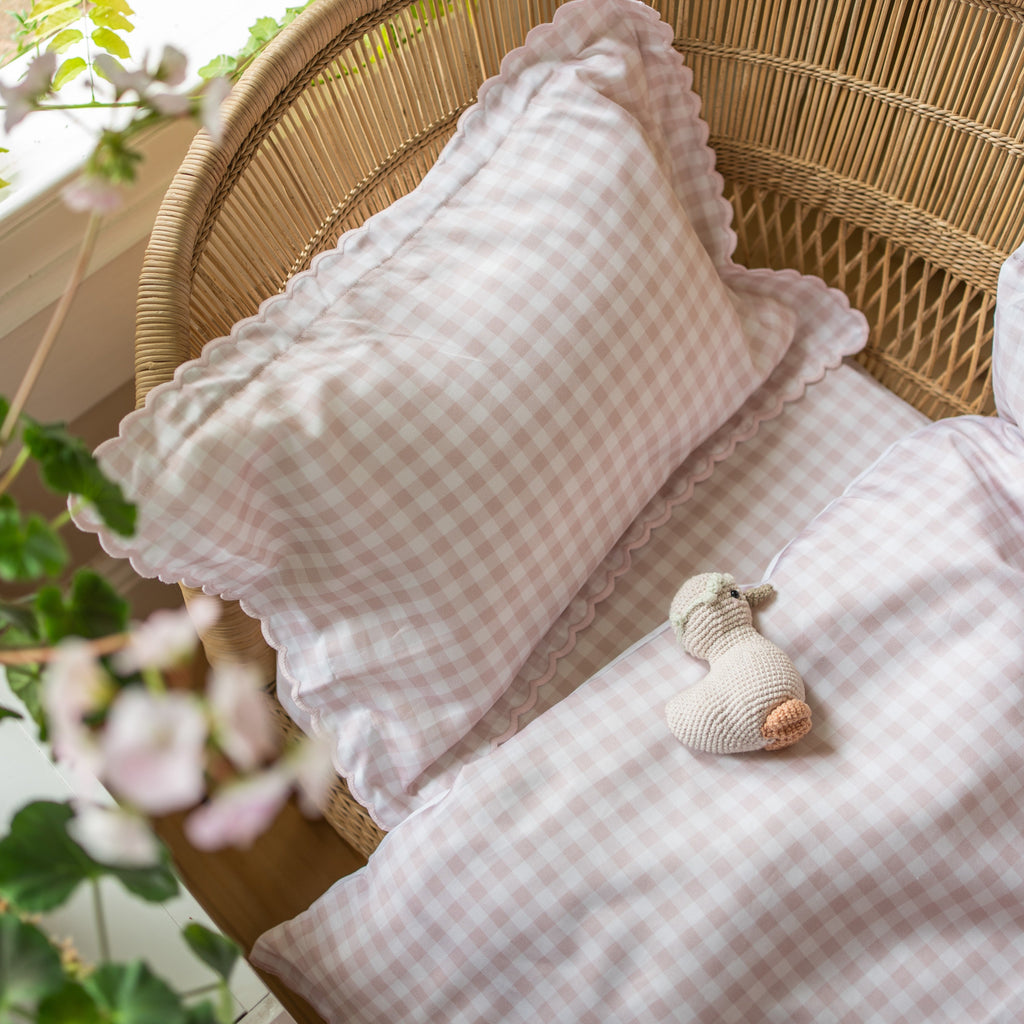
(16, 468)
(60, 314)
(43, 655)
(101, 920)
(91, 105)
(58, 522)
(202, 990)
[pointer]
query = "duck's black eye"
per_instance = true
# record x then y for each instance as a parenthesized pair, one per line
(734, 593)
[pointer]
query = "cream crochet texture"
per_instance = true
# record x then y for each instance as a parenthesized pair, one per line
(752, 697)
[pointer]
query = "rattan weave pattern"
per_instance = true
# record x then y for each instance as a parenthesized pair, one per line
(876, 143)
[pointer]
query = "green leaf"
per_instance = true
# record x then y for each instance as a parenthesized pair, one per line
(155, 884)
(221, 65)
(40, 7)
(98, 71)
(40, 865)
(133, 994)
(60, 42)
(110, 41)
(219, 953)
(68, 467)
(70, 1005)
(30, 968)
(110, 19)
(264, 29)
(68, 71)
(201, 1013)
(53, 23)
(9, 713)
(92, 609)
(17, 616)
(29, 548)
(113, 5)
(25, 682)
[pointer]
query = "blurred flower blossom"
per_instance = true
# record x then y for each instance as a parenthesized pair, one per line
(242, 721)
(172, 67)
(210, 107)
(74, 687)
(92, 194)
(21, 99)
(123, 81)
(114, 837)
(312, 769)
(153, 750)
(239, 812)
(167, 638)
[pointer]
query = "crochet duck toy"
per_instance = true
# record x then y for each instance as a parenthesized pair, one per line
(752, 697)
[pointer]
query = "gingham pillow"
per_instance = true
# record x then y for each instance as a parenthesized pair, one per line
(1008, 343)
(407, 465)
(594, 869)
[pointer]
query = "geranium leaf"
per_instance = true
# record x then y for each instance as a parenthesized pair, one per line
(30, 967)
(220, 954)
(68, 467)
(69, 1004)
(25, 683)
(17, 616)
(92, 609)
(29, 548)
(133, 994)
(40, 865)
(154, 884)
(202, 1013)
(110, 41)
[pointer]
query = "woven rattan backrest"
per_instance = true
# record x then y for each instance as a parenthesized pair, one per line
(876, 143)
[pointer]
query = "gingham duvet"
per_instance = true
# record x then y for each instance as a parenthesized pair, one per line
(593, 869)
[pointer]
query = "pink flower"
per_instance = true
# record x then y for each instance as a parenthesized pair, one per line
(172, 67)
(74, 687)
(114, 836)
(242, 721)
(170, 104)
(154, 749)
(122, 80)
(239, 812)
(167, 638)
(312, 769)
(210, 107)
(92, 194)
(21, 99)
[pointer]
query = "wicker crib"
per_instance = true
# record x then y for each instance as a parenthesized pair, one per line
(878, 144)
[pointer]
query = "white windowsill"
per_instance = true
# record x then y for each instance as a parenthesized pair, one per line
(39, 236)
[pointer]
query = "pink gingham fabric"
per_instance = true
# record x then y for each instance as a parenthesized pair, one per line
(593, 869)
(1008, 341)
(751, 487)
(409, 464)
